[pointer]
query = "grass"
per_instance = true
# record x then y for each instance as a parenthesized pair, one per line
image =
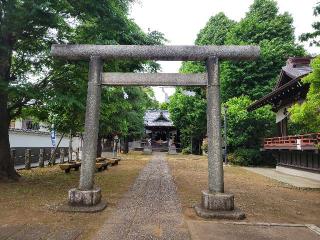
(261, 198)
(28, 201)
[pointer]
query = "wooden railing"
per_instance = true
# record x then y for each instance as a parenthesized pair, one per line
(309, 141)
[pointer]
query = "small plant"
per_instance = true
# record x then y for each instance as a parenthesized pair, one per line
(245, 157)
(186, 151)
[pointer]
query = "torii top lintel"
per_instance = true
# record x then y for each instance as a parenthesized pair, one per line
(155, 52)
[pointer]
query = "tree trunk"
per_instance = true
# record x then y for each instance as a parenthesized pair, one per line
(125, 145)
(7, 170)
(196, 146)
(99, 147)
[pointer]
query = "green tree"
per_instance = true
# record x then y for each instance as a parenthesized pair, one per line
(274, 33)
(214, 33)
(246, 129)
(193, 124)
(56, 89)
(307, 114)
(313, 37)
(188, 113)
(27, 29)
(164, 106)
(242, 125)
(122, 113)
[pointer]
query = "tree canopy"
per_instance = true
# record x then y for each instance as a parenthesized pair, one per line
(244, 82)
(313, 37)
(274, 33)
(189, 115)
(307, 114)
(55, 91)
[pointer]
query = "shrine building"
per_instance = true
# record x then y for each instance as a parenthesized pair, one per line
(295, 154)
(160, 129)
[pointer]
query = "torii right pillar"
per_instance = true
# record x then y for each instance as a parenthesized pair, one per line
(214, 202)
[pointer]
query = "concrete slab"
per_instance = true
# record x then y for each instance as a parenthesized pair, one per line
(295, 181)
(203, 230)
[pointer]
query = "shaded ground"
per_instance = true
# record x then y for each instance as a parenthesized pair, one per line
(150, 210)
(262, 199)
(27, 201)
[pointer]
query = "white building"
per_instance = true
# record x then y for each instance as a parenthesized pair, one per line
(25, 134)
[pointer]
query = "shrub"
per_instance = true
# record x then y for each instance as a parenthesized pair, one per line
(204, 146)
(186, 151)
(245, 157)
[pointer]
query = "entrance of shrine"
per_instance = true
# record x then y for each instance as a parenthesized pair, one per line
(215, 203)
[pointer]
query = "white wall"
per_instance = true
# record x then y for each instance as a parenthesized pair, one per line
(31, 139)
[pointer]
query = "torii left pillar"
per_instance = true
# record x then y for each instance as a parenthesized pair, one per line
(88, 195)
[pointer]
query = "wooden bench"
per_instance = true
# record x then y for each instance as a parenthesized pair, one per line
(101, 165)
(113, 161)
(100, 159)
(66, 167)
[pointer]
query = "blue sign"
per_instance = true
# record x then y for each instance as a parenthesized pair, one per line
(53, 137)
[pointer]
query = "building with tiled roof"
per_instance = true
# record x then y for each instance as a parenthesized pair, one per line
(159, 128)
(295, 154)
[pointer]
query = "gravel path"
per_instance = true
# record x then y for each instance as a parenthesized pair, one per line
(150, 209)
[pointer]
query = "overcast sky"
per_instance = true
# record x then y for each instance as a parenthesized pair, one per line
(181, 20)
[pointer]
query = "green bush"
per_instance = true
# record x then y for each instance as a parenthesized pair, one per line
(245, 157)
(186, 151)
(204, 146)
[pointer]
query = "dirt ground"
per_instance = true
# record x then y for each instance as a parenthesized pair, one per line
(28, 201)
(261, 198)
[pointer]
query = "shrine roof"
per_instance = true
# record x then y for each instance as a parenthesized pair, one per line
(288, 84)
(157, 118)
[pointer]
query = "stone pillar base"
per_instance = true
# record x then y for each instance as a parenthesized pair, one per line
(218, 205)
(84, 198)
(83, 201)
(172, 150)
(147, 151)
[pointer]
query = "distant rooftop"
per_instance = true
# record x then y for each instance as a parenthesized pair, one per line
(289, 83)
(157, 118)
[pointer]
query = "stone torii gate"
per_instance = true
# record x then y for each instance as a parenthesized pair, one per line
(215, 203)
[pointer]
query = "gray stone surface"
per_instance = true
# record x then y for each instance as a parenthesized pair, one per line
(41, 157)
(295, 181)
(156, 52)
(80, 208)
(91, 125)
(299, 173)
(208, 230)
(84, 197)
(52, 156)
(147, 151)
(172, 150)
(27, 159)
(215, 163)
(150, 209)
(154, 79)
(234, 214)
(61, 155)
(217, 201)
